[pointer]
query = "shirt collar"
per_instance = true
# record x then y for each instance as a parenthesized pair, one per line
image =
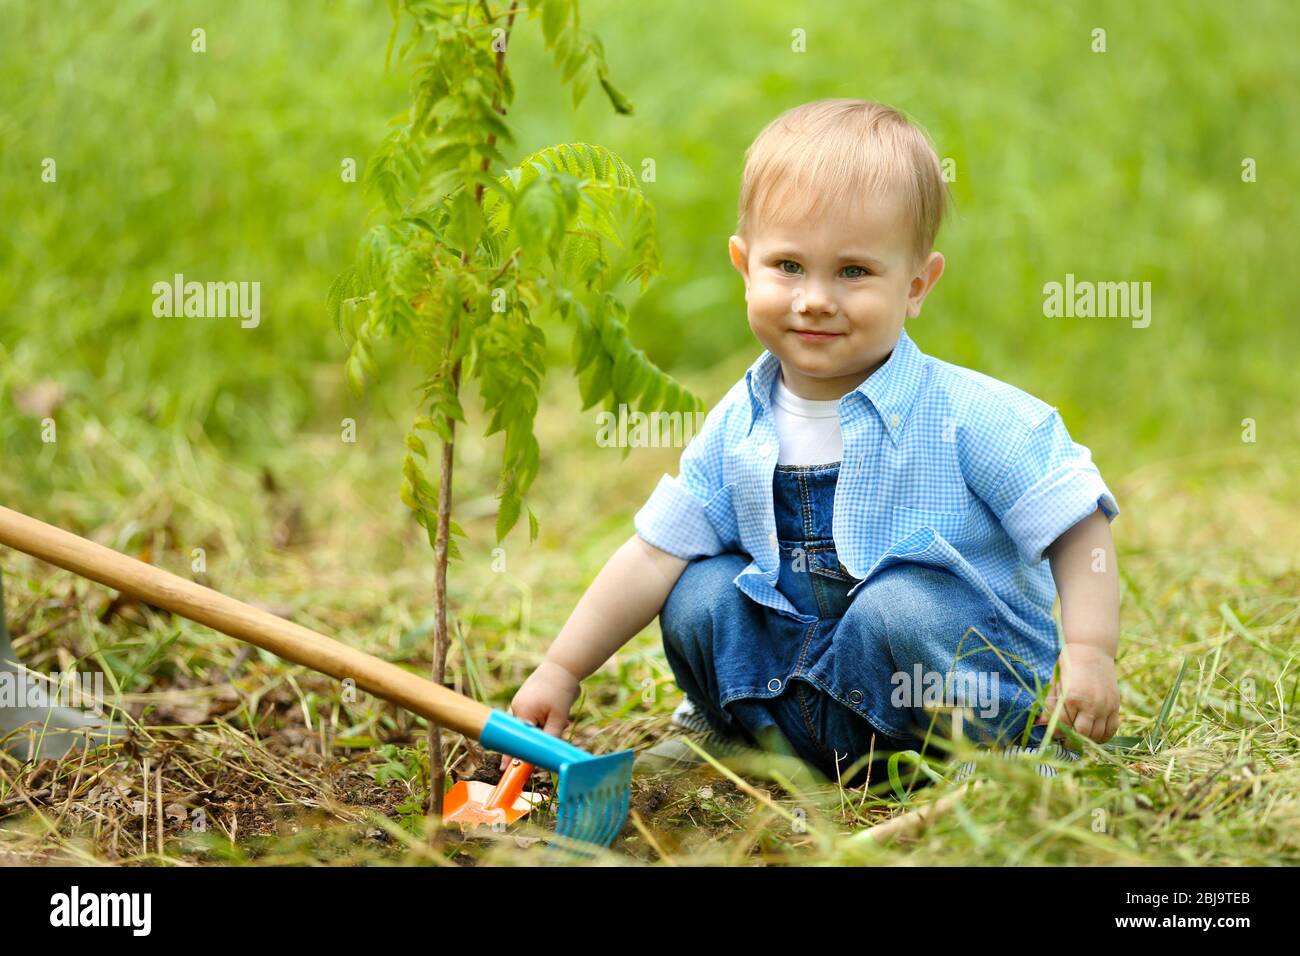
(890, 389)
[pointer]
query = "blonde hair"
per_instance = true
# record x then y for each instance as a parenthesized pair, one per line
(841, 150)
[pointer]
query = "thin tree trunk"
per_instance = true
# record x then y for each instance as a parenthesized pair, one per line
(437, 770)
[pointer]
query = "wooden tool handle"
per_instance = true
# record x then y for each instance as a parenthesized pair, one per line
(283, 638)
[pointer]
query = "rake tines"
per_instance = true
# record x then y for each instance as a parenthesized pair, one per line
(593, 792)
(593, 798)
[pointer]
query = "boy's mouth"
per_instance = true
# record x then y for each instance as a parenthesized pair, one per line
(809, 336)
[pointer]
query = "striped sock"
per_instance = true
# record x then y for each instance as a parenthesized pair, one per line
(1057, 752)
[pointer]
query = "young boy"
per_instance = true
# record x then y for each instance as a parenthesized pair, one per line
(860, 535)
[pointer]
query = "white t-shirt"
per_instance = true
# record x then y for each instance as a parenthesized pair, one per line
(808, 430)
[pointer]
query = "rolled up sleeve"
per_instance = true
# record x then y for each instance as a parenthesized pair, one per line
(673, 519)
(1048, 487)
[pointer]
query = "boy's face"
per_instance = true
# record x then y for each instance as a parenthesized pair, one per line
(848, 274)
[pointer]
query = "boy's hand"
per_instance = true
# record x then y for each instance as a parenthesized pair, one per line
(544, 700)
(1089, 692)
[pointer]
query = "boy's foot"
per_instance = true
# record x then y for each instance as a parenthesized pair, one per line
(1056, 752)
(688, 717)
(672, 753)
(774, 751)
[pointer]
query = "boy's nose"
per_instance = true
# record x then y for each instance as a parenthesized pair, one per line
(812, 298)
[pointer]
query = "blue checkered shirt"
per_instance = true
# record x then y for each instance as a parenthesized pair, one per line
(940, 461)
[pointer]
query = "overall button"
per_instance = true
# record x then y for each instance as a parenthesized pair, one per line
(855, 696)
(774, 685)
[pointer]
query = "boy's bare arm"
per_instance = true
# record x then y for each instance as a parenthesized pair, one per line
(1083, 565)
(625, 596)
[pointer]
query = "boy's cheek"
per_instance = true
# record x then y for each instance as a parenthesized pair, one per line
(770, 301)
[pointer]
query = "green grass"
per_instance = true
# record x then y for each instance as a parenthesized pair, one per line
(176, 434)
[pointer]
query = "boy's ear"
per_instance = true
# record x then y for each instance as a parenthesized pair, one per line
(739, 253)
(927, 274)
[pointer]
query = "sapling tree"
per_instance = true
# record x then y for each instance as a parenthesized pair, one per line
(472, 262)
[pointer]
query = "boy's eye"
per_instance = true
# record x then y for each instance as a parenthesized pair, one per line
(792, 268)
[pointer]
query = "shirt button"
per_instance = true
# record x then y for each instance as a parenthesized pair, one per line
(855, 696)
(774, 684)
(772, 538)
(764, 450)
(893, 421)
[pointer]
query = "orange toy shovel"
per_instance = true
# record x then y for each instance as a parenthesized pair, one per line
(471, 802)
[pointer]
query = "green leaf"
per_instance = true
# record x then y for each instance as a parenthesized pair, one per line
(443, 429)
(627, 374)
(362, 352)
(356, 377)
(580, 84)
(407, 494)
(411, 470)
(340, 288)
(426, 490)
(466, 221)
(508, 512)
(414, 443)
(587, 346)
(395, 11)
(1154, 737)
(572, 63)
(490, 121)
(652, 397)
(448, 156)
(566, 46)
(450, 406)
(594, 383)
(538, 216)
(620, 102)
(554, 15)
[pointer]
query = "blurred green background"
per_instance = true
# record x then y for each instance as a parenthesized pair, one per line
(1123, 165)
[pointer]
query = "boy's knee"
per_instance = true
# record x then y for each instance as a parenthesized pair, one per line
(698, 594)
(903, 597)
(918, 613)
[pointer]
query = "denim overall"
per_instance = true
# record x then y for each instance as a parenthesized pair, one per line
(759, 649)
(746, 666)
